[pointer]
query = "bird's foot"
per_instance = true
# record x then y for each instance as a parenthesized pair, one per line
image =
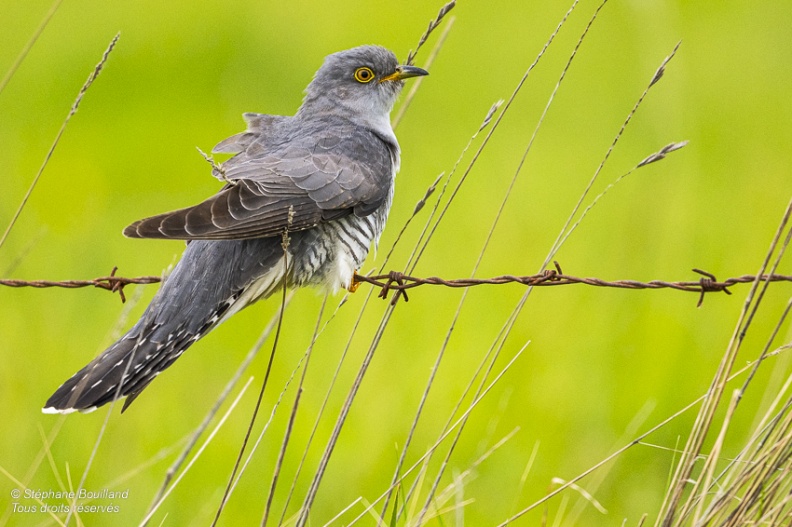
(354, 284)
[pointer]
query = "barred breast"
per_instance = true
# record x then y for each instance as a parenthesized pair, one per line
(338, 248)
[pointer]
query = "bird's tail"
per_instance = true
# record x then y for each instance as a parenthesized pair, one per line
(123, 370)
(212, 281)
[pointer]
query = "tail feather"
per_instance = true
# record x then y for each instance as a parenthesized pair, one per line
(88, 388)
(123, 370)
(212, 281)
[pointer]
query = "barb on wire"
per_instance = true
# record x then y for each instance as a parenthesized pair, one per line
(400, 282)
(111, 283)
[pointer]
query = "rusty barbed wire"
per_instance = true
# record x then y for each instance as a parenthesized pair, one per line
(708, 283)
(110, 283)
(400, 282)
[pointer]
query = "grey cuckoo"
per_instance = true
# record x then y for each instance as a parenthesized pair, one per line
(325, 175)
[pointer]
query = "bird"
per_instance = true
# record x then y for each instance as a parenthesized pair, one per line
(304, 198)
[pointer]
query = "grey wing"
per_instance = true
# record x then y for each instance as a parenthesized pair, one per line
(259, 125)
(308, 179)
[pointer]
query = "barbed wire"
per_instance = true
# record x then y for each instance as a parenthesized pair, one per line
(708, 283)
(110, 283)
(399, 282)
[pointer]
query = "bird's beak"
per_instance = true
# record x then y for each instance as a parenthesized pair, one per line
(404, 72)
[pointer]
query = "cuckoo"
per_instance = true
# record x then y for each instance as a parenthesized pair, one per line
(325, 176)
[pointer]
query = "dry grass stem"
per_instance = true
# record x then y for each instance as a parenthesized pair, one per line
(75, 105)
(420, 461)
(266, 426)
(636, 441)
(770, 340)
(562, 236)
(708, 470)
(199, 451)
(538, 126)
(759, 485)
(290, 426)
(217, 169)
(436, 366)
(417, 82)
(657, 156)
(314, 487)
(432, 26)
(282, 454)
(586, 495)
(174, 468)
(495, 126)
(423, 237)
(706, 414)
(26, 49)
(450, 490)
(227, 492)
(23, 487)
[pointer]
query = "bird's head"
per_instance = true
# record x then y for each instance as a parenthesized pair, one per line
(363, 81)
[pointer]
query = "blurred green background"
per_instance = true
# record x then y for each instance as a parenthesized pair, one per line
(602, 365)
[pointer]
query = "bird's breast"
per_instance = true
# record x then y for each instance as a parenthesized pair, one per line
(337, 248)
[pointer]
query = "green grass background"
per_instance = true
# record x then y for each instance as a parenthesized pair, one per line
(182, 74)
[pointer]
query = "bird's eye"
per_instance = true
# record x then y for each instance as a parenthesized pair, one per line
(364, 75)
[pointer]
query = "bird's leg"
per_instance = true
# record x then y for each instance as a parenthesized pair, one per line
(355, 283)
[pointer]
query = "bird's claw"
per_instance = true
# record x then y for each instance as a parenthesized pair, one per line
(354, 284)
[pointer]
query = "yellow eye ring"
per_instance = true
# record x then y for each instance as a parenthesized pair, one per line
(364, 75)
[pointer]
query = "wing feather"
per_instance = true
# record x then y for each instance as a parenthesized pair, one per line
(320, 171)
